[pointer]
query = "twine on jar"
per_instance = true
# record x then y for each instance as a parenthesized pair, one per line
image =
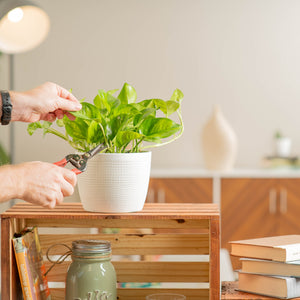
(64, 256)
(60, 260)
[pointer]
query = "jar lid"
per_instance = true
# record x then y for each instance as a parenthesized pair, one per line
(91, 246)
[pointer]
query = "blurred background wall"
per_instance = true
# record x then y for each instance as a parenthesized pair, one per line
(241, 55)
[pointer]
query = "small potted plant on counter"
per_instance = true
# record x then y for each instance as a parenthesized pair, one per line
(117, 179)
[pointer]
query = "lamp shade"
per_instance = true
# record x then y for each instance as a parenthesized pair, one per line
(23, 26)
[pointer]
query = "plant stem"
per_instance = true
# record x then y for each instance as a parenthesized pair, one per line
(103, 132)
(57, 133)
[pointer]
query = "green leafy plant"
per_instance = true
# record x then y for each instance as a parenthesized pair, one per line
(4, 156)
(121, 123)
(278, 134)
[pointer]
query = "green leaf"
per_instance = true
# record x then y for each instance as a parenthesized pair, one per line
(145, 104)
(32, 127)
(177, 96)
(123, 138)
(127, 94)
(87, 112)
(167, 107)
(94, 133)
(170, 107)
(158, 128)
(128, 109)
(46, 125)
(112, 102)
(77, 129)
(101, 101)
(111, 92)
(60, 123)
(145, 113)
(117, 124)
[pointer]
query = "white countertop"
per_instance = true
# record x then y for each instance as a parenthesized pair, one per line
(235, 173)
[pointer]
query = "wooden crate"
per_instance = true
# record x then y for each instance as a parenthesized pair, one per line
(175, 229)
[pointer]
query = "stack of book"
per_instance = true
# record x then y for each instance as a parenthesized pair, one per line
(270, 266)
(289, 162)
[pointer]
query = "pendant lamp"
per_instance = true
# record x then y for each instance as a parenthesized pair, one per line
(23, 26)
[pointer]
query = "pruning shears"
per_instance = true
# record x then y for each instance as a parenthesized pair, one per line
(79, 161)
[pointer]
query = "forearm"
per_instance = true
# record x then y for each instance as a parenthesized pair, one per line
(9, 184)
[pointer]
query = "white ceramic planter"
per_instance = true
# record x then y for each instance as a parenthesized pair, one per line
(115, 182)
(283, 146)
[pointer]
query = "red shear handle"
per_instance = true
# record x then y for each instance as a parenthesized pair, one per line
(61, 163)
(76, 171)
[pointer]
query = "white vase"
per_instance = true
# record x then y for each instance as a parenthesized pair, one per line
(219, 143)
(115, 182)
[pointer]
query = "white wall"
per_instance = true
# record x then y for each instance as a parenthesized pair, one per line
(241, 54)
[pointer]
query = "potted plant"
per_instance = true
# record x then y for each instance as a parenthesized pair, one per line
(117, 179)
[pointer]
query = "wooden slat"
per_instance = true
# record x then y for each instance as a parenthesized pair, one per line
(150, 211)
(117, 223)
(146, 271)
(162, 271)
(214, 275)
(140, 294)
(135, 244)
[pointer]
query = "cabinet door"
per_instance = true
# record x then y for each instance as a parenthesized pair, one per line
(289, 206)
(248, 209)
(177, 190)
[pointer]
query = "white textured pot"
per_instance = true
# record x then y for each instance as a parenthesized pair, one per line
(115, 182)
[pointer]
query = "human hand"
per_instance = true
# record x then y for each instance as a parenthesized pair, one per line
(42, 183)
(45, 102)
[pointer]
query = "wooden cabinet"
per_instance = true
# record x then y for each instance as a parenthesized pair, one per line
(258, 207)
(289, 206)
(178, 190)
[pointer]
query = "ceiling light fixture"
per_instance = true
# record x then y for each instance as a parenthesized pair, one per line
(23, 26)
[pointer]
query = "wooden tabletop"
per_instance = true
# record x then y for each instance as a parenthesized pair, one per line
(150, 211)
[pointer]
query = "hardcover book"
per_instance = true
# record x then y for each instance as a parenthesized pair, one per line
(279, 248)
(270, 267)
(273, 286)
(30, 265)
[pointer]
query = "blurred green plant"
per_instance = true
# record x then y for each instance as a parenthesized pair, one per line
(4, 157)
(278, 134)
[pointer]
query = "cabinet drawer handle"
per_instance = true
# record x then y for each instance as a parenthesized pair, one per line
(272, 201)
(283, 201)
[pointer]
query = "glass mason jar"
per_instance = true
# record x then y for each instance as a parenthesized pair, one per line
(91, 275)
